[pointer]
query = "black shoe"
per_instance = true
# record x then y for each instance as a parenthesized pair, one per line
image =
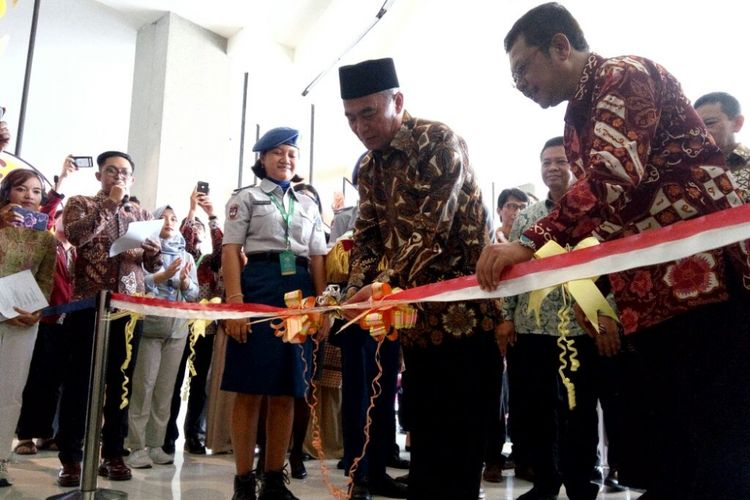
(612, 483)
(598, 474)
(396, 462)
(585, 491)
(168, 447)
(386, 486)
(274, 487)
(244, 487)
(525, 472)
(537, 494)
(360, 492)
(297, 467)
(194, 446)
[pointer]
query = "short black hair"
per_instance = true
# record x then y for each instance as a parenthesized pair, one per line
(511, 192)
(543, 22)
(555, 141)
(102, 158)
(729, 104)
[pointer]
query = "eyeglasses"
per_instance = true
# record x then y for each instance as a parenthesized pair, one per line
(117, 172)
(519, 73)
(514, 206)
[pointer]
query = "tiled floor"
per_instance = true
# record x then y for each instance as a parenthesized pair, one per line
(209, 478)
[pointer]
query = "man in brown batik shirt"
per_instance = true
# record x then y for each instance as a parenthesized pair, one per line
(92, 224)
(421, 208)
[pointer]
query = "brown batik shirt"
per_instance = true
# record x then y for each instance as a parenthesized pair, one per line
(421, 207)
(92, 224)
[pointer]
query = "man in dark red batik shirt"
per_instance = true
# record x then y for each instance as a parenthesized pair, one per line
(643, 160)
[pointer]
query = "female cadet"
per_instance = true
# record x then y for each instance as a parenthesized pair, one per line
(281, 234)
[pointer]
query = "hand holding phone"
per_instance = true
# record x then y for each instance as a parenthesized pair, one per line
(83, 161)
(32, 220)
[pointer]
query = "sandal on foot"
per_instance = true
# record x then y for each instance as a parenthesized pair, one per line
(25, 448)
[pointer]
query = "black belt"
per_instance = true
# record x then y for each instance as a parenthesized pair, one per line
(274, 257)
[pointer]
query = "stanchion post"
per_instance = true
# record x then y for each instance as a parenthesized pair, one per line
(97, 377)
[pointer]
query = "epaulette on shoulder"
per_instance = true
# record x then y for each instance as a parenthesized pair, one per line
(243, 188)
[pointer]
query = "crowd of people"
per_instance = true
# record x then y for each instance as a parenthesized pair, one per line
(665, 359)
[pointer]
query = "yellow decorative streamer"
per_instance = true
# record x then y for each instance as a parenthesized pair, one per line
(567, 346)
(197, 328)
(129, 333)
(589, 299)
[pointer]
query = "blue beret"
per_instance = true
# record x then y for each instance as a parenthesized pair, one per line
(276, 137)
(367, 77)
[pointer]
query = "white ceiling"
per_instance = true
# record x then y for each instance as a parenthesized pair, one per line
(286, 21)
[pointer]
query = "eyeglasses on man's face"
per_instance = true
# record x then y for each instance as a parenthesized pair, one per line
(117, 172)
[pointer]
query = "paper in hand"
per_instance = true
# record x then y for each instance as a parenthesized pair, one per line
(20, 290)
(138, 232)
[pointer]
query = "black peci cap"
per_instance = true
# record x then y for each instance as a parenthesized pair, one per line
(367, 77)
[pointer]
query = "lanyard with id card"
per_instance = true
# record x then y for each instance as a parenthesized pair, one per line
(287, 259)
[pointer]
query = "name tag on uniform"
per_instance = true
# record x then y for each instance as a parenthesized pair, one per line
(261, 202)
(287, 263)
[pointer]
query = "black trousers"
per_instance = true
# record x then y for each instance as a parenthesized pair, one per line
(449, 395)
(496, 430)
(80, 328)
(358, 369)
(689, 405)
(195, 418)
(42, 391)
(562, 442)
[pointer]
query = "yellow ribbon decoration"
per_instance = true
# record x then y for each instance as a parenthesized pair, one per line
(590, 300)
(197, 328)
(567, 347)
(583, 291)
(129, 333)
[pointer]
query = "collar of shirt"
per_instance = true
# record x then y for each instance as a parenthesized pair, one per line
(269, 187)
(579, 107)
(403, 141)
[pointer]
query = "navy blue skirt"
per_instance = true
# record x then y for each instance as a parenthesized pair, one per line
(264, 364)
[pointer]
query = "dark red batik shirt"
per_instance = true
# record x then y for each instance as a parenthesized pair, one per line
(643, 160)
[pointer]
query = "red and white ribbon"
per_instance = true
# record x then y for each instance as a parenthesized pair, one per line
(670, 243)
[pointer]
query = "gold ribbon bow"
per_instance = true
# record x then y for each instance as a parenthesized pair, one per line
(387, 321)
(583, 291)
(295, 328)
(588, 297)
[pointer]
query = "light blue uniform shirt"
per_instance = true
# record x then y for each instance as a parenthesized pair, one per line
(254, 221)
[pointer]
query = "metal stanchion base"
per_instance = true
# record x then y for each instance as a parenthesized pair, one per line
(98, 494)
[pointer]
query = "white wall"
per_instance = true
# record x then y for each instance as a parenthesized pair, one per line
(449, 56)
(79, 99)
(180, 125)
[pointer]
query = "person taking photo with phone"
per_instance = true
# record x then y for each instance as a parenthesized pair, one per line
(21, 248)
